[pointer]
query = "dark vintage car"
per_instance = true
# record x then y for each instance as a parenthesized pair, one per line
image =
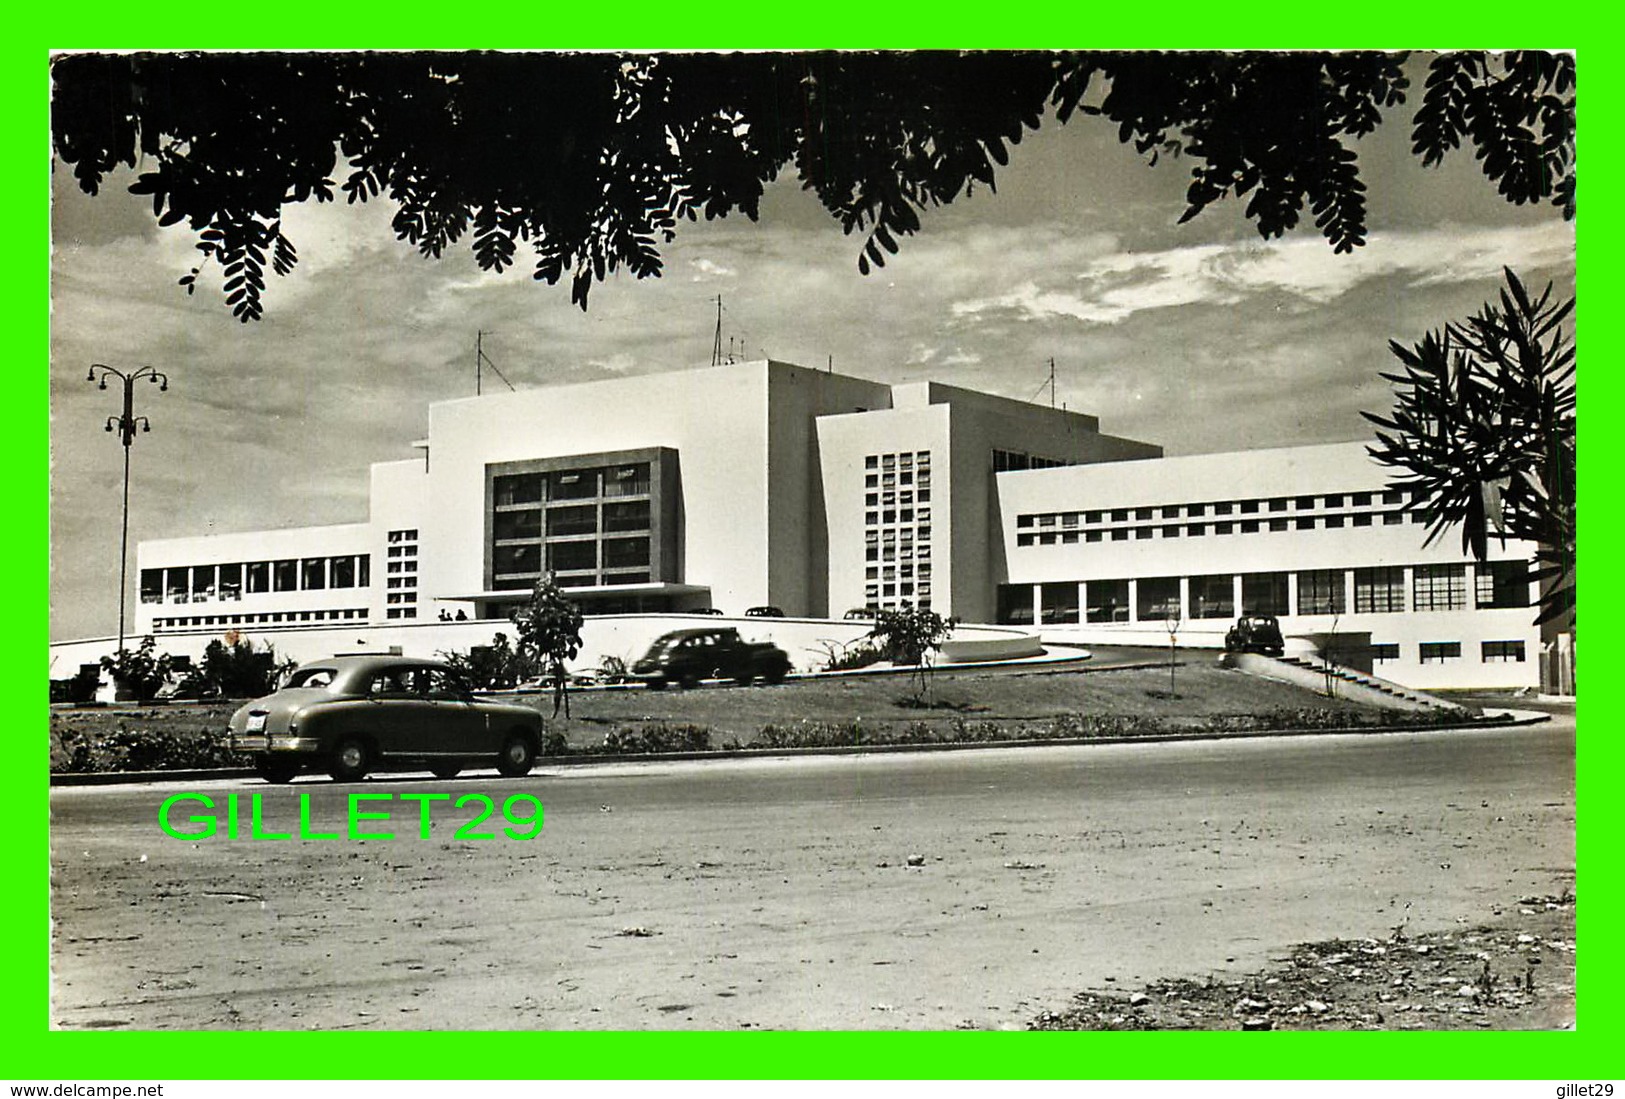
(353, 714)
(1255, 633)
(688, 656)
(763, 612)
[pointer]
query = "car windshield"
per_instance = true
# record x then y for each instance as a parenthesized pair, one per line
(312, 678)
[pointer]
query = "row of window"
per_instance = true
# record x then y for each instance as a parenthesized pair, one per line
(228, 583)
(403, 578)
(1015, 459)
(1443, 652)
(1331, 501)
(1376, 590)
(348, 614)
(531, 489)
(1067, 537)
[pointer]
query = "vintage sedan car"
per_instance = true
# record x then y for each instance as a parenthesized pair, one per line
(688, 656)
(350, 715)
(1255, 633)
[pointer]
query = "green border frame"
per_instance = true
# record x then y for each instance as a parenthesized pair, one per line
(35, 1052)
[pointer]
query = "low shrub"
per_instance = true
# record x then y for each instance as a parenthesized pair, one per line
(657, 738)
(132, 748)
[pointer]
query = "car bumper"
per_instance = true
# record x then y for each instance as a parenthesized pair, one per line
(261, 743)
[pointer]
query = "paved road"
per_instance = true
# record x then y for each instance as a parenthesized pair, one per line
(776, 893)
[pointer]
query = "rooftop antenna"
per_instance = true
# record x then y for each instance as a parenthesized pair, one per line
(481, 360)
(831, 368)
(1052, 381)
(716, 344)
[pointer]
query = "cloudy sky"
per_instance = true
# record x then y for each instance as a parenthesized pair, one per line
(1200, 337)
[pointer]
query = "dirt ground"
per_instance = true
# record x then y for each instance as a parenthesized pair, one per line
(967, 889)
(1514, 973)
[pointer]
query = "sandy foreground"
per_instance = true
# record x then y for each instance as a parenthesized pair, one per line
(973, 889)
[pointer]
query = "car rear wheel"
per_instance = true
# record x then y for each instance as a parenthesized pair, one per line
(350, 760)
(655, 683)
(445, 770)
(776, 673)
(517, 758)
(277, 771)
(744, 679)
(690, 680)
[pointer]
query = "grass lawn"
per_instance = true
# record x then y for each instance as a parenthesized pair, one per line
(994, 704)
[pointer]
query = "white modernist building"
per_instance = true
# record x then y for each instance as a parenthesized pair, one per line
(768, 484)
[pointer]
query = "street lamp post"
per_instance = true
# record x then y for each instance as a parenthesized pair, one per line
(125, 424)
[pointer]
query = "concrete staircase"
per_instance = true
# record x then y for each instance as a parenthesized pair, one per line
(1311, 673)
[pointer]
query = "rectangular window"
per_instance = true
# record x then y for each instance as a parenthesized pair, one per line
(1279, 524)
(1107, 600)
(1263, 593)
(630, 480)
(1502, 652)
(1213, 596)
(1304, 503)
(1196, 530)
(231, 582)
(576, 484)
(363, 570)
(285, 575)
(572, 556)
(510, 525)
(631, 516)
(512, 559)
(152, 585)
(343, 572)
(259, 577)
(1157, 599)
(626, 553)
(1249, 507)
(1383, 652)
(572, 520)
(202, 582)
(313, 574)
(1439, 588)
(1360, 500)
(1379, 590)
(1500, 584)
(524, 488)
(1060, 602)
(1320, 591)
(1278, 504)
(1437, 652)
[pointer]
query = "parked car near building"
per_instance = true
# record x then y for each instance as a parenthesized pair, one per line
(351, 715)
(688, 656)
(763, 612)
(1255, 633)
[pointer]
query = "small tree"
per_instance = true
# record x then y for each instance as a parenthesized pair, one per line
(143, 671)
(909, 635)
(1171, 620)
(549, 635)
(234, 668)
(496, 665)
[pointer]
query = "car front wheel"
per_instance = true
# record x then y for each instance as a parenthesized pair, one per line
(350, 761)
(518, 756)
(445, 770)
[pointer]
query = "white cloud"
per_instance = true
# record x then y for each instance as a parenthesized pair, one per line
(1111, 288)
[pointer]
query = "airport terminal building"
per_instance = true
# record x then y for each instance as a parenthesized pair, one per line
(765, 483)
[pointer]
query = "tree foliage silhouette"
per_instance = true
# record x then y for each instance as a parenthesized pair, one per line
(592, 160)
(1483, 428)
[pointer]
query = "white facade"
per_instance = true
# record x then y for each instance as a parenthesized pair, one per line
(1310, 534)
(769, 484)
